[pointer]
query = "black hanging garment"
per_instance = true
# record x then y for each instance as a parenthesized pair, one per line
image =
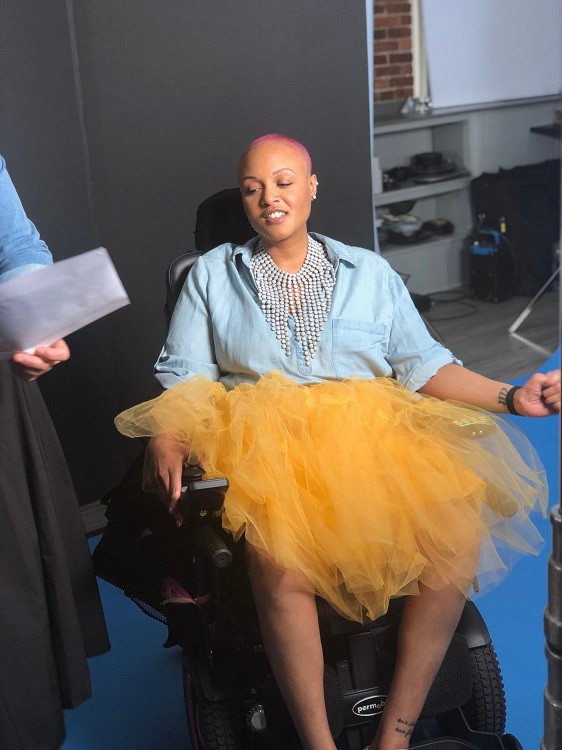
(50, 611)
(528, 198)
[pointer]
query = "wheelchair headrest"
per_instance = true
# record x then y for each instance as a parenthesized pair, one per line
(221, 218)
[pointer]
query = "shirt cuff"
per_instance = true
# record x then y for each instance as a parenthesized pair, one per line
(423, 373)
(169, 379)
(20, 270)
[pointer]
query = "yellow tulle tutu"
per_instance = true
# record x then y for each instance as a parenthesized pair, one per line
(363, 487)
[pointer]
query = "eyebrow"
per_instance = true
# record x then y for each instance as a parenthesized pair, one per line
(283, 169)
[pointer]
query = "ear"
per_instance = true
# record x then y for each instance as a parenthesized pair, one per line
(313, 183)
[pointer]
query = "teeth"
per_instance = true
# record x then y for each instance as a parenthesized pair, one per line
(276, 215)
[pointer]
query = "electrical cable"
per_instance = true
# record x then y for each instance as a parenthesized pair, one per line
(457, 299)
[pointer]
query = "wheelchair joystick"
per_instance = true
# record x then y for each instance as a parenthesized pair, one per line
(192, 471)
(201, 496)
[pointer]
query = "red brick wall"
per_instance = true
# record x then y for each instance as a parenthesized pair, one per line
(393, 50)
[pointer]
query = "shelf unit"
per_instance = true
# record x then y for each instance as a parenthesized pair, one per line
(435, 264)
(395, 251)
(417, 192)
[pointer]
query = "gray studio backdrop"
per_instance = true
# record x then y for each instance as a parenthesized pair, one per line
(118, 117)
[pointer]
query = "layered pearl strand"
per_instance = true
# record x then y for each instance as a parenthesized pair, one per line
(305, 295)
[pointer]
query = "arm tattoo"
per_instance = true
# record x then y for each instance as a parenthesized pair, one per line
(405, 727)
(501, 396)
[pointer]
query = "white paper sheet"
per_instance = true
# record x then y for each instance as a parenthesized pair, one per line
(43, 306)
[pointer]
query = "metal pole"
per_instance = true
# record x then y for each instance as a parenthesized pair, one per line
(529, 308)
(552, 739)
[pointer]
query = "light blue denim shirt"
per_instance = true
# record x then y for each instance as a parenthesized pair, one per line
(373, 330)
(21, 248)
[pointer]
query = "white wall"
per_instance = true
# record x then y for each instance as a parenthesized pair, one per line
(492, 50)
(502, 137)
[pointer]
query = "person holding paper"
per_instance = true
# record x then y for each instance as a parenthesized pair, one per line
(21, 251)
(50, 611)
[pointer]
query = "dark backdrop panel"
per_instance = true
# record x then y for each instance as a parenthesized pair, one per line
(174, 90)
(41, 140)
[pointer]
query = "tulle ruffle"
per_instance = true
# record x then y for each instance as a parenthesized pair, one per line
(363, 487)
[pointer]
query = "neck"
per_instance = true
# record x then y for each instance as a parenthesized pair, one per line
(289, 255)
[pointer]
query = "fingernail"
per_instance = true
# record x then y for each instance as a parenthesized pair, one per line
(179, 522)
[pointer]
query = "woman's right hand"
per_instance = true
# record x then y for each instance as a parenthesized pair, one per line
(168, 456)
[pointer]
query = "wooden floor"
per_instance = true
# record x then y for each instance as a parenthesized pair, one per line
(481, 340)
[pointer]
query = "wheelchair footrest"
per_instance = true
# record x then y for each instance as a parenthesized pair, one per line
(491, 742)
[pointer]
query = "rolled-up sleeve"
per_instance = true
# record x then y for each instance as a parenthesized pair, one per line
(413, 354)
(21, 248)
(189, 349)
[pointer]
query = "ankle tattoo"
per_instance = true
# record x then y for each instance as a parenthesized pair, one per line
(404, 727)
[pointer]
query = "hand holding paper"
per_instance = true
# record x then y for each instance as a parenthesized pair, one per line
(39, 308)
(30, 366)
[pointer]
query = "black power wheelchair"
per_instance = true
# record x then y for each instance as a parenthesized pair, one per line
(193, 579)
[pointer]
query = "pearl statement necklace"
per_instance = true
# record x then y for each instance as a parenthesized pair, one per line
(305, 295)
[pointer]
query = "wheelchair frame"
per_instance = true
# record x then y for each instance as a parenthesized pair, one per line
(231, 698)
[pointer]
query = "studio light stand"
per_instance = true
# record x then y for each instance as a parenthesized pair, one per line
(552, 739)
(529, 308)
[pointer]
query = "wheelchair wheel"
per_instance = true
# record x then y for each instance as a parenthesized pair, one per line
(485, 711)
(212, 725)
(511, 743)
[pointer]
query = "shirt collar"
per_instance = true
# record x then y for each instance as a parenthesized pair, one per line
(335, 250)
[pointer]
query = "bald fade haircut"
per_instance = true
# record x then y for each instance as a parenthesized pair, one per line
(281, 139)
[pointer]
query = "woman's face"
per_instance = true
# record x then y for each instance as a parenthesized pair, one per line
(276, 192)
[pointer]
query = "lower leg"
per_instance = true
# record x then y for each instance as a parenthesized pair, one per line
(289, 626)
(428, 624)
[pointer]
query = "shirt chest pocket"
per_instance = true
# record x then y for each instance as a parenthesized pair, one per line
(358, 347)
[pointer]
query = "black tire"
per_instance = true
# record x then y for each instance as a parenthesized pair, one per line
(219, 724)
(213, 725)
(485, 711)
(511, 743)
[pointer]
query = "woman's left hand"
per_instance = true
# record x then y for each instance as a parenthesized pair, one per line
(30, 366)
(539, 396)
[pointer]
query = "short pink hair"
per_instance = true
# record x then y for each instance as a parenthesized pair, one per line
(282, 139)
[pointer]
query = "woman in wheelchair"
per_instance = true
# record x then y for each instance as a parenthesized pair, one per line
(363, 460)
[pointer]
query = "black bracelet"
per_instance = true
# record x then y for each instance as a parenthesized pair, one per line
(509, 400)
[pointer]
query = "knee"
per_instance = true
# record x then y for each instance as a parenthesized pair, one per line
(270, 582)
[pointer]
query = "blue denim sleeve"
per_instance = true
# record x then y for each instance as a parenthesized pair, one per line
(413, 354)
(21, 248)
(189, 349)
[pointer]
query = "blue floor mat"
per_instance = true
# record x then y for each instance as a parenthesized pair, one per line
(137, 699)
(514, 610)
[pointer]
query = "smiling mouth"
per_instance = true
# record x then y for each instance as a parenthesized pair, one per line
(275, 215)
